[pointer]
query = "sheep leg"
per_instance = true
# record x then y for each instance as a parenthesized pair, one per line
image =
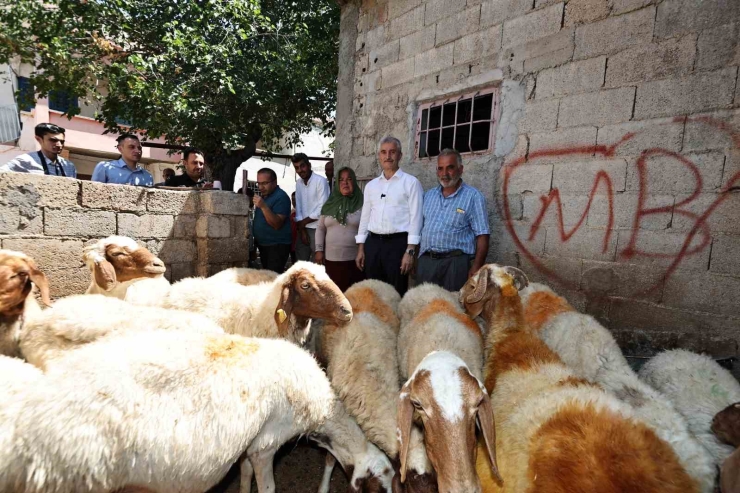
(246, 473)
(262, 462)
(328, 469)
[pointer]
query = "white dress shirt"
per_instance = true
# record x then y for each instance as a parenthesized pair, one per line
(392, 206)
(309, 199)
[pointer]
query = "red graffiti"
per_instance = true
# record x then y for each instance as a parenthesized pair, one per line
(699, 221)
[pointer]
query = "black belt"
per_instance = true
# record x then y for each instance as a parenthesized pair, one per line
(438, 255)
(389, 236)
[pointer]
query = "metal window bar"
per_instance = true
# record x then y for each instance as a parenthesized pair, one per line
(10, 125)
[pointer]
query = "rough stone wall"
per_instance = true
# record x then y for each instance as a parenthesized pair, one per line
(52, 219)
(616, 151)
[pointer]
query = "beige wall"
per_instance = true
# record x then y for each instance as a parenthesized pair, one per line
(52, 219)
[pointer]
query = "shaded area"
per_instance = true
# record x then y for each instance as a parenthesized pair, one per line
(298, 469)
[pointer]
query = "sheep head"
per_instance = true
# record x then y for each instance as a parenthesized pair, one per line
(118, 259)
(726, 424)
(489, 284)
(307, 292)
(18, 273)
(448, 400)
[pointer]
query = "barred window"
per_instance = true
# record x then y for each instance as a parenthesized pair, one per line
(465, 123)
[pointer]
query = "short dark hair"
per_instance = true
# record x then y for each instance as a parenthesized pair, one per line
(170, 170)
(300, 157)
(123, 137)
(48, 128)
(268, 171)
(191, 150)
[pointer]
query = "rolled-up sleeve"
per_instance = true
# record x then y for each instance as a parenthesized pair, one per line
(416, 219)
(320, 234)
(479, 216)
(321, 194)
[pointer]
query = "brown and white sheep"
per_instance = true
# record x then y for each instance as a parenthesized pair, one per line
(18, 275)
(556, 432)
(121, 268)
(438, 342)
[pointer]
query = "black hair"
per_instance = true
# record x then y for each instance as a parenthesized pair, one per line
(47, 128)
(268, 171)
(123, 137)
(191, 150)
(299, 157)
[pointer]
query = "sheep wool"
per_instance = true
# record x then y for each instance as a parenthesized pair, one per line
(699, 388)
(244, 276)
(78, 320)
(169, 410)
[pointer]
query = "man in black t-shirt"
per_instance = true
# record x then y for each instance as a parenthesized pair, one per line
(194, 169)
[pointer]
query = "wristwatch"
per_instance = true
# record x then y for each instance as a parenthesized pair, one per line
(411, 251)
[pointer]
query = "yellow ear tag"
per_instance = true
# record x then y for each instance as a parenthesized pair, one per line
(281, 315)
(509, 290)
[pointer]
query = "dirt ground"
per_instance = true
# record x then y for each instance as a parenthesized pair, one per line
(298, 469)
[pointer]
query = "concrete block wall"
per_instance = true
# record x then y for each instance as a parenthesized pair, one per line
(52, 219)
(616, 166)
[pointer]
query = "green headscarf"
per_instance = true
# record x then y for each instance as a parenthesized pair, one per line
(338, 206)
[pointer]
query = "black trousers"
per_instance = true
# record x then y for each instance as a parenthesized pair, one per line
(383, 257)
(274, 257)
(451, 273)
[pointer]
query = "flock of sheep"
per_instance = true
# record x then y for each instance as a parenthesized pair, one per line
(143, 386)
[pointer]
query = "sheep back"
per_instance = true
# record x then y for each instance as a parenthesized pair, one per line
(170, 410)
(78, 320)
(699, 388)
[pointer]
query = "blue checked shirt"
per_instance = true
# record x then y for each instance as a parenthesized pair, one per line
(452, 223)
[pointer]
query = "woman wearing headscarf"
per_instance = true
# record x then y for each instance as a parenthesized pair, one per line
(335, 235)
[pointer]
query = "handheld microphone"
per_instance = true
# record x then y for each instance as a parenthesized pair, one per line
(382, 195)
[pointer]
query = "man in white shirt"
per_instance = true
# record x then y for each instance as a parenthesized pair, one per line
(46, 161)
(311, 192)
(390, 224)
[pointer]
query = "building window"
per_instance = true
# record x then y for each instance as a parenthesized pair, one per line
(465, 123)
(25, 94)
(61, 101)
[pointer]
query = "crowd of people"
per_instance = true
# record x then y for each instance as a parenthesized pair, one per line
(385, 232)
(378, 233)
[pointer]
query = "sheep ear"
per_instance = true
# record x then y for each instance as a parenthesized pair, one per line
(520, 278)
(284, 310)
(404, 417)
(480, 288)
(39, 279)
(488, 427)
(105, 274)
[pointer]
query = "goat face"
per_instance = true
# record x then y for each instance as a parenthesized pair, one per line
(487, 284)
(309, 293)
(726, 424)
(17, 273)
(120, 260)
(448, 400)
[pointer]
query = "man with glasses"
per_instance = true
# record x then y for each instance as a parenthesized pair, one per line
(126, 169)
(271, 224)
(47, 161)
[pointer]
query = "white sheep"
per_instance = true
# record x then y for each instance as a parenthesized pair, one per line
(121, 268)
(82, 319)
(18, 275)
(280, 309)
(699, 388)
(432, 320)
(369, 469)
(245, 276)
(166, 410)
(557, 431)
(598, 358)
